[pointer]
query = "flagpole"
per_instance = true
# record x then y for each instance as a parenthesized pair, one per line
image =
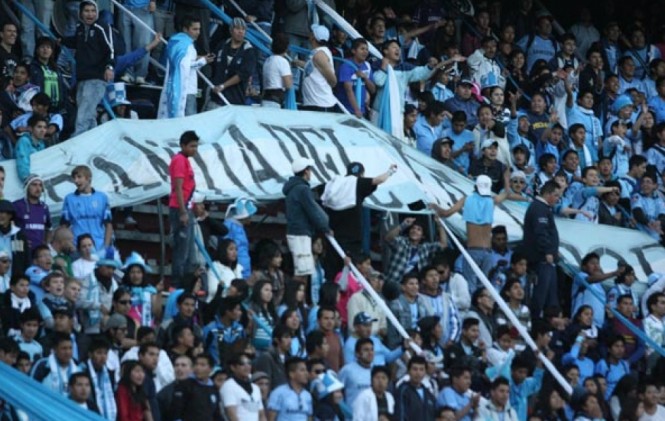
(152, 31)
(380, 301)
(507, 311)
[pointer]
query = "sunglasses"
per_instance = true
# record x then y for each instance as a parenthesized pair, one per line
(124, 302)
(318, 371)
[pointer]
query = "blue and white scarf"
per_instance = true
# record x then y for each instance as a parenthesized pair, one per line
(59, 384)
(103, 392)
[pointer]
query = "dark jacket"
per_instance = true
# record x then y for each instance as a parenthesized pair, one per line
(93, 50)
(270, 363)
(470, 108)
(19, 248)
(194, 401)
(410, 407)
(303, 215)
(240, 62)
(164, 399)
(9, 315)
(540, 233)
(151, 395)
(37, 78)
(82, 344)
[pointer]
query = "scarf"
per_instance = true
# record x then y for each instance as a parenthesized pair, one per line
(245, 384)
(21, 304)
(588, 160)
(103, 392)
(58, 383)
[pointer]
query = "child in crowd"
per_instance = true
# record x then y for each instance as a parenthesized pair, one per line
(547, 167)
(588, 288)
(30, 321)
(42, 263)
(146, 300)
(617, 148)
(577, 134)
(584, 196)
(613, 367)
(622, 286)
(523, 162)
(17, 300)
(439, 81)
(501, 348)
(54, 285)
(605, 170)
(648, 208)
(40, 104)
(30, 142)
(513, 293)
(463, 140)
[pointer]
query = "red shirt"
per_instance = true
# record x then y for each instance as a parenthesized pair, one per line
(128, 409)
(181, 168)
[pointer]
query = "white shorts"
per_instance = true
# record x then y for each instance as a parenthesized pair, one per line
(301, 249)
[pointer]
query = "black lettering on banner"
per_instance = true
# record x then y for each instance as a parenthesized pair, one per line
(206, 174)
(115, 172)
(338, 145)
(52, 183)
(234, 179)
(267, 172)
(300, 133)
(285, 150)
(157, 163)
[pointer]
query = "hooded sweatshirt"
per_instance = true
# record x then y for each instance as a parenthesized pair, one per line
(94, 47)
(303, 215)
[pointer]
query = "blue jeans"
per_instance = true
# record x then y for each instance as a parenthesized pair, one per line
(89, 93)
(43, 11)
(183, 248)
(483, 258)
(136, 36)
(190, 105)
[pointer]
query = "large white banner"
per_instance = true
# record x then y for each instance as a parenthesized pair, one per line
(247, 151)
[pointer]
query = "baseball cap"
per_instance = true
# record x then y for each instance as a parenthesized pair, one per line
(6, 207)
(4, 254)
(300, 164)
(320, 32)
(363, 318)
(116, 321)
(484, 185)
(488, 142)
(466, 82)
(518, 174)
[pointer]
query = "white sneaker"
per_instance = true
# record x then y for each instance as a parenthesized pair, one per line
(130, 220)
(127, 78)
(140, 80)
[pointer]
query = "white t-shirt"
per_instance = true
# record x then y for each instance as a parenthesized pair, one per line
(315, 88)
(247, 407)
(191, 86)
(659, 415)
(274, 69)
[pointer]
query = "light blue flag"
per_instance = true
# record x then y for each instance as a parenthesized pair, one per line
(290, 99)
(390, 110)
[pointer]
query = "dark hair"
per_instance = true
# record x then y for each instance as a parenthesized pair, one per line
(588, 168)
(653, 299)
(74, 377)
(470, 322)
(499, 381)
(9, 346)
(459, 116)
(321, 310)
(457, 371)
(143, 348)
(520, 362)
(222, 255)
(434, 108)
(387, 43)
(35, 119)
(185, 296)
(588, 257)
(267, 310)
(60, 337)
(290, 293)
(206, 357)
(328, 294)
(291, 363)
(144, 331)
(380, 369)
(189, 20)
(266, 250)
(82, 237)
(280, 43)
(549, 187)
(358, 42)
(30, 315)
(188, 136)
(624, 297)
(99, 343)
(361, 342)
(39, 249)
(178, 330)
(137, 393)
(574, 128)
(636, 160)
(314, 340)
(476, 296)
(40, 98)
(417, 359)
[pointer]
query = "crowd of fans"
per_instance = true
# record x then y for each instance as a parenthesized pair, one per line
(571, 125)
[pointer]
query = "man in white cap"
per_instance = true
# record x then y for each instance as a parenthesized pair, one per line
(478, 213)
(319, 79)
(304, 217)
(235, 63)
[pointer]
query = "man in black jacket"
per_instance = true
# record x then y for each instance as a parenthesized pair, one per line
(13, 240)
(197, 399)
(94, 64)
(413, 401)
(540, 245)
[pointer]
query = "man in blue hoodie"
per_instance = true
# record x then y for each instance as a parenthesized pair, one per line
(304, 217)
